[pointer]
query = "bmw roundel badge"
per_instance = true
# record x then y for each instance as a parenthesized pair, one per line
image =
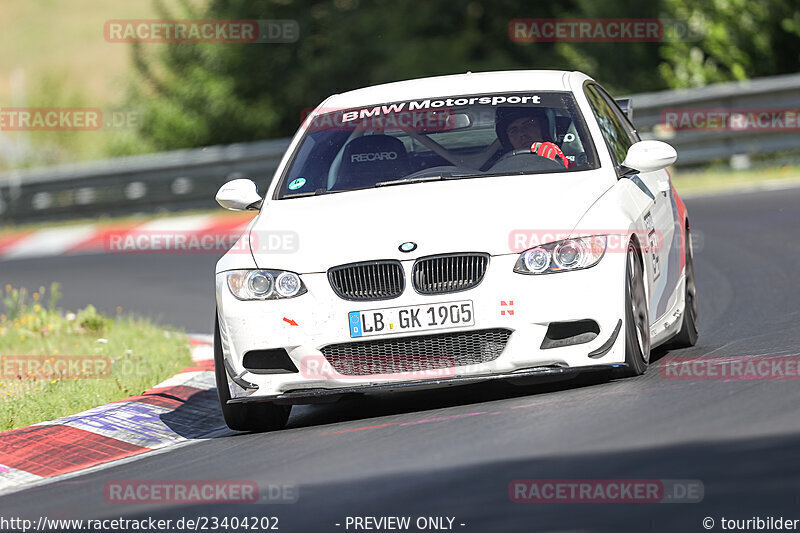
(408, 247)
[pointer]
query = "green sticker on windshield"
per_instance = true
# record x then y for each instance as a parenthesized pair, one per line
(296, 184)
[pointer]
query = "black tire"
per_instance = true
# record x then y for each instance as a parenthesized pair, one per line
(637, 318)
(687, 335)
(260, 416)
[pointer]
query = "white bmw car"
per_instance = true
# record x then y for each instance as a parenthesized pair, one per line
(450, 230)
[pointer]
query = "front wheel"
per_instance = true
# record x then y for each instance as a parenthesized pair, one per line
(637, 318)
(261, 416)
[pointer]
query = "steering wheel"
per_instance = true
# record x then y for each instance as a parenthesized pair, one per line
(537, 162)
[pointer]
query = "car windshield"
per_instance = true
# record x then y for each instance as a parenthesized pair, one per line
(435, 139)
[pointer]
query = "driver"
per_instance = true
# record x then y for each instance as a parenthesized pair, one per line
(526, 128)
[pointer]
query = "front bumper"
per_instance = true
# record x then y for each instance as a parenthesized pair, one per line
(321, 319)
(309, 395)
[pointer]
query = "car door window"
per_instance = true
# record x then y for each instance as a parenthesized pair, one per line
(618, 136)
(623, 119)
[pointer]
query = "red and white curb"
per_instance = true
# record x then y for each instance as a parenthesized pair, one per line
(178, 410)
(100, 238)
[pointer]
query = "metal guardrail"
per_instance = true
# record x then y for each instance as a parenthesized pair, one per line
(701, 147)
(188, 179)
(173, 181)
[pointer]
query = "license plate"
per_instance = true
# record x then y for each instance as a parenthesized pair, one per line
(411, 318)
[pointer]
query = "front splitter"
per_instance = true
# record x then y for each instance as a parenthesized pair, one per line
(297, 396)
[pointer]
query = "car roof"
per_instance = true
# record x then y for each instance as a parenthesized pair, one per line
(456, 84)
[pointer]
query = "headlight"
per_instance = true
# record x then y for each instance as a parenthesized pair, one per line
(264, 284)
(536, 260)
(259, 283)
(560, 256)
(288, 284)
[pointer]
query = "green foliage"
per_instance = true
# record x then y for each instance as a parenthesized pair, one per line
(741, 39)
(16, 301)
(55, 296)
(622, 67)
(200, 94)
(90, 320)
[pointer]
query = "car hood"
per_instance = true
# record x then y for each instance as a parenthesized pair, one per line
(312, 234)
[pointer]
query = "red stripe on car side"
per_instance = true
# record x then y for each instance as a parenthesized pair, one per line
(681, 207)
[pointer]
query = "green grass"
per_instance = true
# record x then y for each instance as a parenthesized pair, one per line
(134, 353)
(40, 37)
(55, 55)
(717, 180)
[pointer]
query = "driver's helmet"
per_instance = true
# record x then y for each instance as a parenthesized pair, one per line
(504, 116)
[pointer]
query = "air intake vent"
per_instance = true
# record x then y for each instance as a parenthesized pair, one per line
(415, 354)
(443, 274)
(274, 361)
(371, 280)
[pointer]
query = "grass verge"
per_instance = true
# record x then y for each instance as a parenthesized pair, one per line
(720, 180)
(56, 363)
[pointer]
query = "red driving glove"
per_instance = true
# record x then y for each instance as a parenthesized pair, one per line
(550, 151)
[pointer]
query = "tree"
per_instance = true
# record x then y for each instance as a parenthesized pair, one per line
(195, 94)
(741, 39)
(198, 94)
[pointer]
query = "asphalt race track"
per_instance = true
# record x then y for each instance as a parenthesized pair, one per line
(454, 452)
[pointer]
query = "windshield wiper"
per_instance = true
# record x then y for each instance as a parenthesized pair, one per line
(438, 177)
(408, 180)
(452, 176)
